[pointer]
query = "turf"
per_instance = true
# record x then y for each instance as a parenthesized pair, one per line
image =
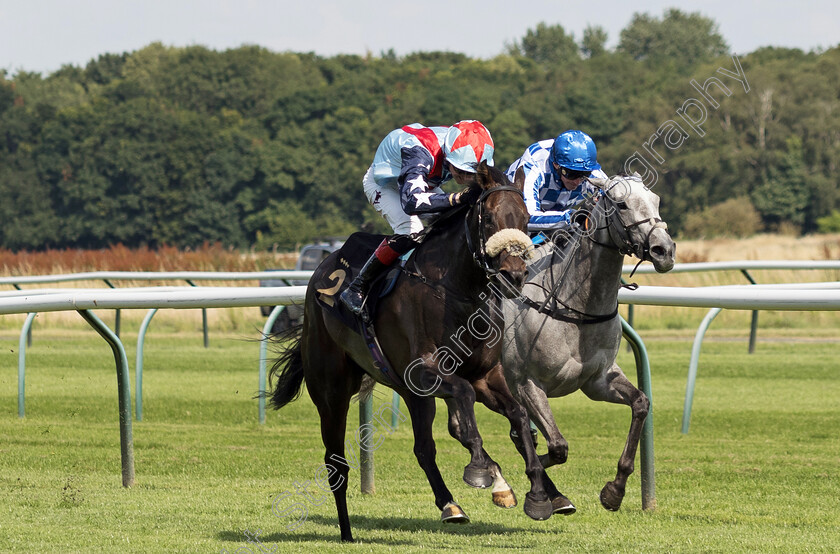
(757, 472)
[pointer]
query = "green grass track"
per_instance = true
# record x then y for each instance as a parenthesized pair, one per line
(757, 473)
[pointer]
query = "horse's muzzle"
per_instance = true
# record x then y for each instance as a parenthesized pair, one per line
(662, 251)
(511, 281)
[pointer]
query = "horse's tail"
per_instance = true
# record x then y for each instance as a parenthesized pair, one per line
(287, 369)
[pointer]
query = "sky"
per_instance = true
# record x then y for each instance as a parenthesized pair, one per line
(42, 35)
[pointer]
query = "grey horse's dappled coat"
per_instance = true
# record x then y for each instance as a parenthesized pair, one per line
(572, 343)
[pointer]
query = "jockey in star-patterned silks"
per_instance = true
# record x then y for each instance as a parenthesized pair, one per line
(403, 185)
(556, 178)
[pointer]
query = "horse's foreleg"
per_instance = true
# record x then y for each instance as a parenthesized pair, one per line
(493, 392)
(536, 402)
(422, 412)
(475, 474)
(460, 399)
(615, 387)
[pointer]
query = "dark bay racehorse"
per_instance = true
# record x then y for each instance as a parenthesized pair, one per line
(442, 339)
(563, 334)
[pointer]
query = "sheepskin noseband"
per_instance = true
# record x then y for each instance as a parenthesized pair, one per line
(514, 241)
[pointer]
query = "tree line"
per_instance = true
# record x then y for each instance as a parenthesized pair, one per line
(249, 148)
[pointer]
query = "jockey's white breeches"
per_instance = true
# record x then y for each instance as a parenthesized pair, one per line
(386, 200)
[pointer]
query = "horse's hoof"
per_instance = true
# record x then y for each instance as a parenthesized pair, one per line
(537, 509)
(504, 499)
(452, 513)
(562, 505)
(478, 478)
(611, 497)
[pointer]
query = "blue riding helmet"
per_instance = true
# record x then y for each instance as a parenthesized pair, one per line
(574, 150)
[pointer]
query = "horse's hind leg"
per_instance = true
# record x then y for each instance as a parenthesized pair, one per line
(422, 412)
(613, 386)
(479, 473)
(331, 382)
(536, 402)
(333, 422)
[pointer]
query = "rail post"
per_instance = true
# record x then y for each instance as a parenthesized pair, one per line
(124, 391)
(646, 442)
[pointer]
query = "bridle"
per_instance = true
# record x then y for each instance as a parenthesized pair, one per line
(619, 231)
(479, 255)
(620, 241)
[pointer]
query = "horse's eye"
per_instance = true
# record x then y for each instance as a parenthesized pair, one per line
(621, 205)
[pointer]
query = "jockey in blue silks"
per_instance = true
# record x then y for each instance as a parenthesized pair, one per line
(403, 185)
(556, 178)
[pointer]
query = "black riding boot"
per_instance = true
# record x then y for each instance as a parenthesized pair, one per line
(384, 256)
(354, 297)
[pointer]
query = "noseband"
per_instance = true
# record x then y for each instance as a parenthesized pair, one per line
(480, 254)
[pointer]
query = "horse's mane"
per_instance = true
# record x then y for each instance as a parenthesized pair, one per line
(497, 175)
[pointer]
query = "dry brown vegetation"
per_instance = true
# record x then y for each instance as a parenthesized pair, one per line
(120, 258)
(217, 258)
(214, 257)
(760, 247)
(210, 257)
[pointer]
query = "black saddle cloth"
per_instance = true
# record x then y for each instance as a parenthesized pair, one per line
(336, 273)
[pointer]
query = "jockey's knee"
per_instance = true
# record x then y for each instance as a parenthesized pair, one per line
(402, 243)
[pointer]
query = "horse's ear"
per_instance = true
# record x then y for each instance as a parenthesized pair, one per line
(600, 183)
(482, 170)
(519, 179)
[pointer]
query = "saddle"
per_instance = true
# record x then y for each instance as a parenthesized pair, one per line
(344, 266)
(330, 282)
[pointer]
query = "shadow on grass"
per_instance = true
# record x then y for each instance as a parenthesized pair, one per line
(378, 524)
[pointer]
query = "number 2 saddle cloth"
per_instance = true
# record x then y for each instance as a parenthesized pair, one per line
(338, 270)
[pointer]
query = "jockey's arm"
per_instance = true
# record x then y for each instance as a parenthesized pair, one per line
(540, 220)
(415, 189)
(563, 214)
(549, 221)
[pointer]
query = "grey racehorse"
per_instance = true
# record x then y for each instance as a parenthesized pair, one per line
(563, 333)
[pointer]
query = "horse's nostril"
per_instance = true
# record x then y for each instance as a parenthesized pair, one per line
(659, 251)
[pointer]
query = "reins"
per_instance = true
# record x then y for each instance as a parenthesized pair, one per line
(566, 313)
